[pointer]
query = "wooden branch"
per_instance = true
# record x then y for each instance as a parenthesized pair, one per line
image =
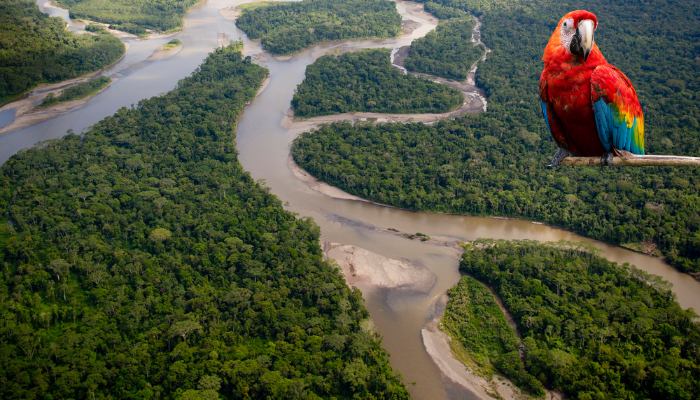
(634, 161)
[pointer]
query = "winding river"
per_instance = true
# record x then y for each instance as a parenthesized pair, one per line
(264, 149)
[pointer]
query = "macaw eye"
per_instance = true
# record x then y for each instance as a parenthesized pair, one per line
(565, 25)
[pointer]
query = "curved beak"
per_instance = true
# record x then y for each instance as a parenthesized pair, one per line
(585, 33)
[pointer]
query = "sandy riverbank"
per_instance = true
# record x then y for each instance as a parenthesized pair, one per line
(263, 86)
(27, 115)
(363, 266)
(438, 345)
(160, 54)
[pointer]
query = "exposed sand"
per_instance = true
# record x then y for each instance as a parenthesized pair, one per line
(263, 86)
(223, 39)
(363, 266)
(230, 13)
(160, 54)
(438, 345)
(27, 115)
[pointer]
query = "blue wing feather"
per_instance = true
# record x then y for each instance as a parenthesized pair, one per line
(546, 117)
(618, 115)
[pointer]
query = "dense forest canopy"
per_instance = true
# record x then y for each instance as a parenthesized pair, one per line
(494, 163)
(79, 91)
(447, 51)
(141, 261)
(286, 28)
(366, 81)
(592, 328)
(134, 16)
(475, 321)
(35, 48)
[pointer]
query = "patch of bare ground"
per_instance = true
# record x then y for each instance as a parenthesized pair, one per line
(363, 266)
(160, 54)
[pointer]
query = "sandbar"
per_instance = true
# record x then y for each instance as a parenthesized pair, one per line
(363, 266)
(160, 54)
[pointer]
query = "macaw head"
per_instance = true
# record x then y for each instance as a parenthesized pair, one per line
(575, 34)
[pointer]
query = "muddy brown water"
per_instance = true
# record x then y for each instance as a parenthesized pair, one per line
(264, 150)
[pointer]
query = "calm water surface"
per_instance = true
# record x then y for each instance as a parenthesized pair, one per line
(264, 150)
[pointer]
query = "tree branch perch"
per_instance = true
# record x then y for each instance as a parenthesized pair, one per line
(634, 161)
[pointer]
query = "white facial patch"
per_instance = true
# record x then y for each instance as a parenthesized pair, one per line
(567, 32)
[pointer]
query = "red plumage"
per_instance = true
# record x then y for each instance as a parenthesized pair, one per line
(567, 94)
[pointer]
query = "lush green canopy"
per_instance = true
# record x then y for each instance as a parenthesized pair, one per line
(592, 328)
(474, 319)
(366, 81)
(133, 16)
(286, 28)
(447, 51)
(140, 261)
(35, 48)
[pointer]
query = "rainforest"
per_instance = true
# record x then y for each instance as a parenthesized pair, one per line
(141, 261)
(366, 81)
(286, 28)
(37, 49)
(198, 229)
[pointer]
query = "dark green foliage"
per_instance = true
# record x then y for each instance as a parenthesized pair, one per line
(592, 328)
(366, 81)
(286, 28)
(94, 28)
(77, 92)
(494, 163)
(447, 51)
(38, 49)
(143, 262)
(128, 27)
(133, 16)
(443, 12)
(473, 318)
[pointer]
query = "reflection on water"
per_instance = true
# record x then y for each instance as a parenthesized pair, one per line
(264, 149)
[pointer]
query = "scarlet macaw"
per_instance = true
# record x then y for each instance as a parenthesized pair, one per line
(590, 107)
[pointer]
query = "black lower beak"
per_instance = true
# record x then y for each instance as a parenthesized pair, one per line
(575, 48)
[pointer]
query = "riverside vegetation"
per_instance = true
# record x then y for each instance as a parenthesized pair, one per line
(286, 28)
(77, 92)
(141, 261)
(591, 328)
(133, 16)
(475, 321)
(447, 51)
(35, 49)
(366, 81)
(494, 163)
